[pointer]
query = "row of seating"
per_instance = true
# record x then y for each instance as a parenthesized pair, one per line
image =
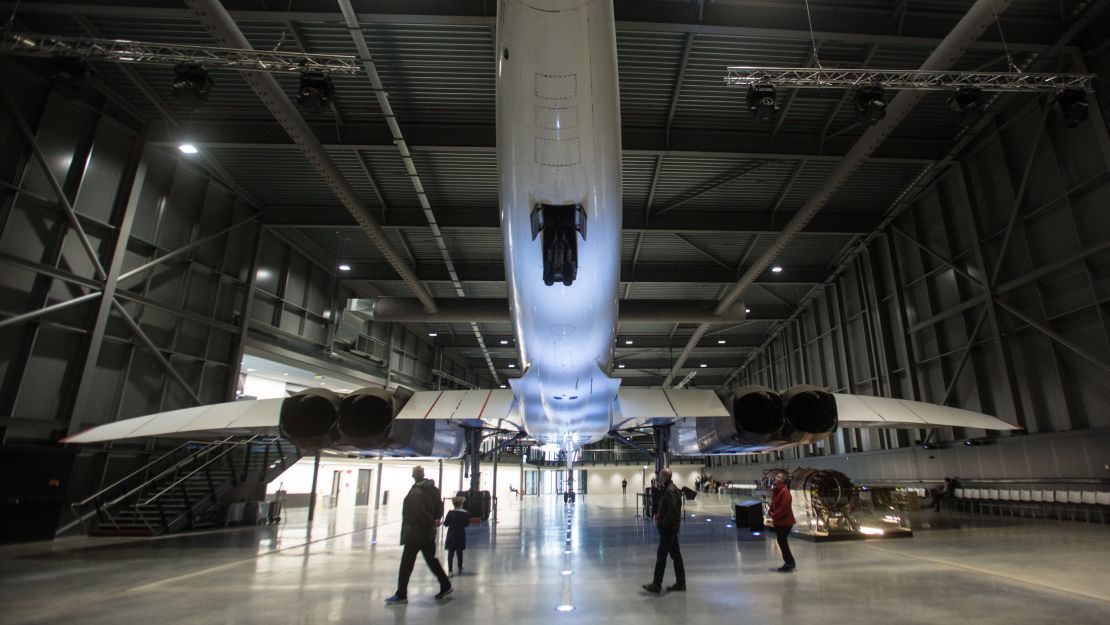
(1038, 503)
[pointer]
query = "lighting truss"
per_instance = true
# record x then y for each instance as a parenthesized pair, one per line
(824, 78)
(124, 51)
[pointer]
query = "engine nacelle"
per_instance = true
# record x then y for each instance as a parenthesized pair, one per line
(308, 419)
(365, 422)
(809, 414)
(756, 423)
(365, 416)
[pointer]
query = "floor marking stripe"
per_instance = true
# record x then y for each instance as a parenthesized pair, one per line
(982, 571)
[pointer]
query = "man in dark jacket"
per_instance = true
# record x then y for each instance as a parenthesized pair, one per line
(782, 519)
(668, 518)
(420, 515)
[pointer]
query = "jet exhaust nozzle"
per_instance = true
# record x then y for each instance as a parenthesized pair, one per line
(365, 416)
(758, 413)
(809, 414)
(308, 419)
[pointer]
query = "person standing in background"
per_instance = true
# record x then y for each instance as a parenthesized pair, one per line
(782, 519)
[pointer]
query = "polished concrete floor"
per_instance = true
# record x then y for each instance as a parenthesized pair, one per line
(961, 569)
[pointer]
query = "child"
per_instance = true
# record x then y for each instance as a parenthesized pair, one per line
(456, 522)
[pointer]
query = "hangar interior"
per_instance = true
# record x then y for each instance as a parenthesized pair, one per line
(965, 262)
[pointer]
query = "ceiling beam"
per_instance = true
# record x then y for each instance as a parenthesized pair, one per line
(714, 362)
(267, 135)
(684, 222)
(753, 19)
(639, 342)
(678, 273)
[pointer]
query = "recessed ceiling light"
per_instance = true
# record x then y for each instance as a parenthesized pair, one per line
(628, 342)
(621, 366)
(748, 311)
(504, 342)
(188, 148)
(502, 386)
(703, 365)
(512, 365)
(344, 267)
(433, 334)
(776, 269)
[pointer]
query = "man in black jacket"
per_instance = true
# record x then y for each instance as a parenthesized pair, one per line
(668, 518)
(420, 515)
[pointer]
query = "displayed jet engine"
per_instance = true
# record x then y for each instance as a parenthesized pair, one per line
(364, 422)
(762, 420)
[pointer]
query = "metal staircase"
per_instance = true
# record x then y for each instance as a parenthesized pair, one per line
(185, 488)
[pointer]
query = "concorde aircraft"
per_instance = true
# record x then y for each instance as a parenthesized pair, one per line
(559, 157)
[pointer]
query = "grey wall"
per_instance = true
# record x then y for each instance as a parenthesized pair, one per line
(81, 366)
(951, 304)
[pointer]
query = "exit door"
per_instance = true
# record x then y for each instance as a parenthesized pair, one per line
(362, 494)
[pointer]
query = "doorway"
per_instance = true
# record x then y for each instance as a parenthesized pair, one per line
(362, 493)
(336, 480)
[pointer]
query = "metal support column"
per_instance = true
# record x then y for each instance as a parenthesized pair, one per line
(232, 381)
(134, 175)
(475, 441)
(312, 492)
(493, 493)
(661, 434)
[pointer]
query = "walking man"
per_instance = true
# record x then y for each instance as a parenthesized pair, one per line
(667, 518)
(782, 519)
(419, 517)
(624, 487)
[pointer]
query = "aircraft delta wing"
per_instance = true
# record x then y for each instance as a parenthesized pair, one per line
(432, 423)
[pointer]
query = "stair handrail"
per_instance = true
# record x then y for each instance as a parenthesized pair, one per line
(100, 493)
(209, 447)
(231, 447)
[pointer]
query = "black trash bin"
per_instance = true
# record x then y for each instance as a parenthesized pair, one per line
(749, 515)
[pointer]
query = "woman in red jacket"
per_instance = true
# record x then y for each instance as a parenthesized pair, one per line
(782, 518)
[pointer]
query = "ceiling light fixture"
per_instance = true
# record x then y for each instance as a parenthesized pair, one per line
(703, 365)
(620, 366)
(512, 365)
(761, 101)
(316, 91)
(748, 311)
(721, 342)
(967, 102)
(1071, 106)
(776, 269)
(188, 148)
(628, 342)
(191, 84)
(871, 104)
(433, 334)
(344, 267)
(504, 342)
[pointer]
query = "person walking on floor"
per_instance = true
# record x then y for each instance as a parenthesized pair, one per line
(668, 518)
(456, 523)
(624, 487)
(419, 519)
(782, 519)
(943, 492)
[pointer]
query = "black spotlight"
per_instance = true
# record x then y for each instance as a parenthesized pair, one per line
(870, 104)
(967, 102)
(761, 101)
(70, 74)
(316, 91)
(191, 84)
(1071, 106)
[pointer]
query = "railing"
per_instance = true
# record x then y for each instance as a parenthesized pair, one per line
(181, 471)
